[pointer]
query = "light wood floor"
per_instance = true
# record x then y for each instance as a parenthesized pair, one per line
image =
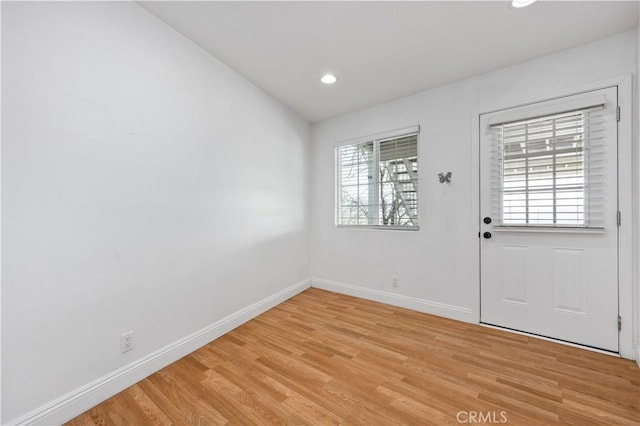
(322, 358)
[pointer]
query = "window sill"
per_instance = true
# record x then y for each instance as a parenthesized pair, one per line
(549, 229)
(379, 227)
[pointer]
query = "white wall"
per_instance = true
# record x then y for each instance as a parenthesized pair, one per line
(0, 220)
(637, 197)
(438, 264)
(145, 187)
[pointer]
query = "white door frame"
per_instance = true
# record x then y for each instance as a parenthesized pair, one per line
(629, 334)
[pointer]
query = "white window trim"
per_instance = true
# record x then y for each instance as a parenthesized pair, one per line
(375, 137)
(391, 134)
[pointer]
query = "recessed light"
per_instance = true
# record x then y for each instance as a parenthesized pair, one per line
(328, 79)
(519, 4)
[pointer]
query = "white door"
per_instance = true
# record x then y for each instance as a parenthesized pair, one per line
(549, 230)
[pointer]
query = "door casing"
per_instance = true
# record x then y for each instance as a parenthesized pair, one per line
(628, 282)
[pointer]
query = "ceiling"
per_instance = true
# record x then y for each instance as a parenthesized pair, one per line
(381, 51)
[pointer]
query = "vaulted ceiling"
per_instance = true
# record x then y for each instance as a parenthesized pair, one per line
(382, 50)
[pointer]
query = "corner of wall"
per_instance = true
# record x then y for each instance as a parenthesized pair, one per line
(636, 228)
(1, 6)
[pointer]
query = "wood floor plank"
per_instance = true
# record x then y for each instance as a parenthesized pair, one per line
(322, 358)
(150, 408)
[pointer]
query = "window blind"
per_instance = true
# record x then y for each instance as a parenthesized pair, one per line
(378, 182)
(549, 171)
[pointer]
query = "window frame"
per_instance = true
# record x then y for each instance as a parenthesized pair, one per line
(375, 139)
(557, 107)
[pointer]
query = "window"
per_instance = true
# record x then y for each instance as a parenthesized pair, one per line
(378, 182)
(551, 170)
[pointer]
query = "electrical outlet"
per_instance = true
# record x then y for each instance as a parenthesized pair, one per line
(126, 341)
(395, 282)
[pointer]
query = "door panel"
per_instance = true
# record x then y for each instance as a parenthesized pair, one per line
(568, 280)
(543, 276)
(514, 274)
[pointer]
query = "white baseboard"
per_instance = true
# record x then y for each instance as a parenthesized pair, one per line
(80, 400)
(420, 305)
(638, 354)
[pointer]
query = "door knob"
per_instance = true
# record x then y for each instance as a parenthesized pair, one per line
(487, 235)
(487, 220)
